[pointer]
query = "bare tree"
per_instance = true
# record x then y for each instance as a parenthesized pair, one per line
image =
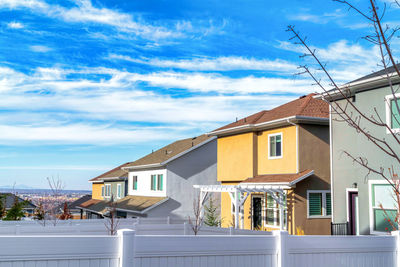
(348, 112)
(112, 221)
(197, 220)
(53, 205)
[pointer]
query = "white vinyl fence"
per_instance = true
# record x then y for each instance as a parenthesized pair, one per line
(129, 249)
(147, 226)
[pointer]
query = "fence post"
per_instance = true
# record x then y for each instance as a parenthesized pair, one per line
(185, 230)
(281, 244)
(17, 230)
(396, 234)
(231, 231)
(168, 220)
(126, 247)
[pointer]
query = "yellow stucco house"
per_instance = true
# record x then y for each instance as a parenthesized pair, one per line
(274, 171)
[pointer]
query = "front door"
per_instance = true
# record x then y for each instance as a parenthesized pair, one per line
(353, 213)
(257, 213)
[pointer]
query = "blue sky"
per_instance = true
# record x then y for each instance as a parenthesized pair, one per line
(87, 85)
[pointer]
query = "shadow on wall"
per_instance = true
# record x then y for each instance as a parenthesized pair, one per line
(196, 161)
(165, 209)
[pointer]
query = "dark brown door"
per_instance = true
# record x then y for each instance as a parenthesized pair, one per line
(353, 206)
(257, 213)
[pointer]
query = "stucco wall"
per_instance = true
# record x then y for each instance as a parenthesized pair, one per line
(235, 157)
(144, 183)
(196, 167)
(313, 155)
(345, 172)
(285, 164)
(96, 190)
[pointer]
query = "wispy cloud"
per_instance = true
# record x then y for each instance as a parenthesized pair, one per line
(40, 48)
(318, 19)
(85, 12)
(15, 25)
(214, 64)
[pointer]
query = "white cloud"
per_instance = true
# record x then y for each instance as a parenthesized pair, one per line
(345, 60)
(318, 19)
(15, 25)
(85, 12)
(214, 64)
(46, 107)
(40, 48)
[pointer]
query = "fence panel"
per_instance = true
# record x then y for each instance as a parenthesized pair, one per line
(80, 251)
(213, 251)
(344, 251)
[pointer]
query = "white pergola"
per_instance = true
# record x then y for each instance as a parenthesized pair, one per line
(239, 193)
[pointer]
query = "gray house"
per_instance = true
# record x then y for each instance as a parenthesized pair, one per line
(358, 197)
(170, 173)
(159, 184)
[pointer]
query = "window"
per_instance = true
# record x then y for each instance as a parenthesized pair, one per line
(272, 211)
(119, 191)
(102, 190)
(157, 182)
(392, 113)
(160, 182)
(319, 204)
(153, 182)
(275, 145)
(107, 190)
(382, 197)
(135, 181)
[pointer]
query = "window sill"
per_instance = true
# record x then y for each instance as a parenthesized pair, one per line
(269, 157)
(319, 217)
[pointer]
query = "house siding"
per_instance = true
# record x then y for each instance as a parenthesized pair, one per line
(314, 155)
(344, 172)
(96, 190)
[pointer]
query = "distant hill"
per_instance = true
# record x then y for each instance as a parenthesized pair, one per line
(18, 186)
(39, 190)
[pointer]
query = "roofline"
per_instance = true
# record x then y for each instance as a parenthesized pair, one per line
(155, 205)
(292, 183)
(362, 85)
(130, 211)
(109, 178)
(97, 212)
(172, 158)
(265, 125)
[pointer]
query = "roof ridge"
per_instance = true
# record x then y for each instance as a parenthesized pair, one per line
(260, 115)
(305, 104)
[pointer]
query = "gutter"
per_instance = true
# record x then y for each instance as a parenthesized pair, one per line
(264, 125)
(363, 85)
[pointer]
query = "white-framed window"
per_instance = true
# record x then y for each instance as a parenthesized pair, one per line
(135, 182)
(392, 113)
(102, 191)
(157, 182)
(319, 204)
(382, 207)
(119, 191)
(275, 146)
(107, 190)
(272, 211)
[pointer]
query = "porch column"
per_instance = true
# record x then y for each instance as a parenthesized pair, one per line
(281, 212)
(236, 208)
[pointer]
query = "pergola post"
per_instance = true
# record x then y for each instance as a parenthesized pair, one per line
(236, 208)
(281, 212)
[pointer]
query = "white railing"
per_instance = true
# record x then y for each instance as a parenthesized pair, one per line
(129, 249)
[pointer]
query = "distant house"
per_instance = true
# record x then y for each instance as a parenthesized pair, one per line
(9, 200)
(356, 196)
(111, 183)
(159, 184)
(73, 207)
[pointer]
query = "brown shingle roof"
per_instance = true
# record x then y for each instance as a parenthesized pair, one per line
(278, 178)
(117, 172)
(89, 203)
(169, 151)
(137, 203)
(306, 106)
